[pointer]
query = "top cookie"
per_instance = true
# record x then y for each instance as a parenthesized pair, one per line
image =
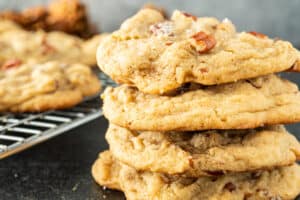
(158, 55)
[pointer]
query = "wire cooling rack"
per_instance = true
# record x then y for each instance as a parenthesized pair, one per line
(20, 131)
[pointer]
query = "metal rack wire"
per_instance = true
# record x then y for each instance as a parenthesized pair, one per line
(20, 131)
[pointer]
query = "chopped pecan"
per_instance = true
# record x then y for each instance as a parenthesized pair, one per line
(256, 175)
(191, 161)
(247, 196)
(214, 173)
(257, 34)
(204, 70)
(207, 41)
(46, 47)
(169, 43)
(190, 15)
(230, 187)
(11, 63)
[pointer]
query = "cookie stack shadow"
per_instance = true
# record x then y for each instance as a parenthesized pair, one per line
(198, 136)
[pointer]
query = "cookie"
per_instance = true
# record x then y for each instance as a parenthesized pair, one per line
(70, 17)
(282, 183)
(42, 47)
(60, 15)
(158, 55)
(7, 25)
(204, 153)
(89, 48)
(35, 87)
(245, 104)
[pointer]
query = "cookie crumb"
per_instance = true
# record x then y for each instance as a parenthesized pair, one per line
(75, 187)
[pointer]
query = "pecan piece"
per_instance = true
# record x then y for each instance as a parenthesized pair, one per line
(257, 34)
(203, 70)
(47, 48)
(11, 63)
(190, 15)
(207, 41)
(230, 187)
(168, 43)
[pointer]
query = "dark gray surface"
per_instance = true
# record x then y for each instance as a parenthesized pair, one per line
(60, 168)
(277, 18)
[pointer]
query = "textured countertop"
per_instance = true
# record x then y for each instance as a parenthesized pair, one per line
(58, 168)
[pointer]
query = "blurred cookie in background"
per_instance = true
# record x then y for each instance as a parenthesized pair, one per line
(36, 87)
(41, 46)
(69, 16)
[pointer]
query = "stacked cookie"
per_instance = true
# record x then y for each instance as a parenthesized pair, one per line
(199, 113)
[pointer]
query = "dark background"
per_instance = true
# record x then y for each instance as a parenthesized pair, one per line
(60, 167)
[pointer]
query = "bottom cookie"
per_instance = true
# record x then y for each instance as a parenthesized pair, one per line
(282, 183)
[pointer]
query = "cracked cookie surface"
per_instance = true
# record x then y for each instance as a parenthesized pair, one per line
(158, 55)
(35, 87)
(241, 105)
(282, 183)
(204, 153)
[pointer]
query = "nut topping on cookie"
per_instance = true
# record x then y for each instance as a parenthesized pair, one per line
(11, 63)
(190, 15)
(204, 70)
(257, 34)
(206, 41)
(175, 51)
(162, 29)
(169, 43)
(47, 48)
(230, 187)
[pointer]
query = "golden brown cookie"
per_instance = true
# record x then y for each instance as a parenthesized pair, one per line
(69, 16)
(244, 104)
(41, 46)
(204, 153)
(158, 55)
(89, 48)
(35, 87)
(282, 183)
(7, 25)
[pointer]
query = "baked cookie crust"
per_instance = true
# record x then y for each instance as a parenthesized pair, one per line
(158, 55)
(35, 87)
(40, 46)
(205, 153)
(282, 183)
(244, 104)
